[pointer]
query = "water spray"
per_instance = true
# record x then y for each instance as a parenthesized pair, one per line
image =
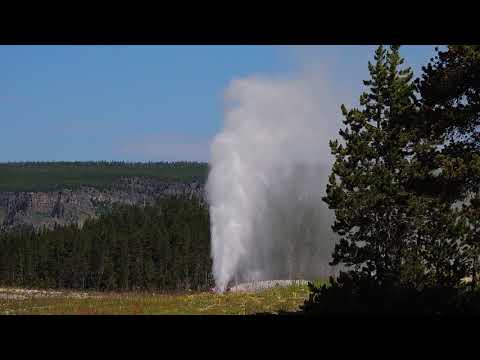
(269, 169)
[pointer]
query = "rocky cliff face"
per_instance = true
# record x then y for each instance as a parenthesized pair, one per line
(39, 209)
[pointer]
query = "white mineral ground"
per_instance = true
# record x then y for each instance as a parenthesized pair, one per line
(254, 286)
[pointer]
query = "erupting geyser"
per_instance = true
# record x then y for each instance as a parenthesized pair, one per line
(269, 169)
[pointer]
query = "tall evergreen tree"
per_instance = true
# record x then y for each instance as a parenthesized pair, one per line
(366, 187)
(447, 131)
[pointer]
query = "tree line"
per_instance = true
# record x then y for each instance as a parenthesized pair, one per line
(50, 176)
(165, 246)
(114, 163)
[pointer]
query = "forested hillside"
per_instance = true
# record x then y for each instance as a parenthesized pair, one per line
(49, 176)
(165, 246)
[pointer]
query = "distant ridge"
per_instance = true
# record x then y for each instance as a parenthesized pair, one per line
(55, 175)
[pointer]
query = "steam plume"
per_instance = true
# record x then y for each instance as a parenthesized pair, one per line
(269, 168)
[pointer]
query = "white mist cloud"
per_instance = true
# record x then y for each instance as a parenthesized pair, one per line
(270, 164)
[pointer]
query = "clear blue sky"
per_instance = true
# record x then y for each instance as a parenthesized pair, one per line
(141, 103)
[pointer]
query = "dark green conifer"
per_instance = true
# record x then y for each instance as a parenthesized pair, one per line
(366, 188)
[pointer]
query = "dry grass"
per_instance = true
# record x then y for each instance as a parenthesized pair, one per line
(20, 301)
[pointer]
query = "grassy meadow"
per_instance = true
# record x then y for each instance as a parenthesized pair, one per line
(37, 302)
